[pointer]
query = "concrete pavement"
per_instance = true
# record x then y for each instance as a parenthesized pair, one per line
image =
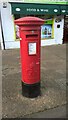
(58, 112)
(53, 83)
(0, 84)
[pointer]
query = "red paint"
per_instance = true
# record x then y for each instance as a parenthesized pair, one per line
(30, 32)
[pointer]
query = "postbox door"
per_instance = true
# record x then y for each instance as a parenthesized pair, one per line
(30, 52)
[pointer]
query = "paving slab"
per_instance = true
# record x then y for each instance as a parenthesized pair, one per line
(53, 82)
(58, 112)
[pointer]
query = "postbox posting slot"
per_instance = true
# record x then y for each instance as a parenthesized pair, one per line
(32, 36)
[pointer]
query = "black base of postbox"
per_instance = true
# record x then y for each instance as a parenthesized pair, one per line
(31, 90)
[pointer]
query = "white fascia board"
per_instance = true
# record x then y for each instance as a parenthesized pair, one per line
(20, 1)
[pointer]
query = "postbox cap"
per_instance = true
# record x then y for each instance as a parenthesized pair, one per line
(29, 21)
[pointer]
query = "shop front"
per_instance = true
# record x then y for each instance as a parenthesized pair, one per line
(52, 30)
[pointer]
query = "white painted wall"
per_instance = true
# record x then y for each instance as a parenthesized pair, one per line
(58, 32)
(8, 27)
(48, 42)
(0, 32)
(1, 40)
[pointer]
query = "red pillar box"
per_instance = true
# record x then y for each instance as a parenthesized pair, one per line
(30, 34)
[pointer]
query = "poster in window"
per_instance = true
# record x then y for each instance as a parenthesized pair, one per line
(17, 32)
(46, 31)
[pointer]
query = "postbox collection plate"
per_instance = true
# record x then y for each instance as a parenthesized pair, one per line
(32, 48)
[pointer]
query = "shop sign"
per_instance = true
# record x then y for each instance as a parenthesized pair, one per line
(36, 10)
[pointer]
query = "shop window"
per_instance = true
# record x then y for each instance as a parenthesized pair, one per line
(47, 30)
(17, 36)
